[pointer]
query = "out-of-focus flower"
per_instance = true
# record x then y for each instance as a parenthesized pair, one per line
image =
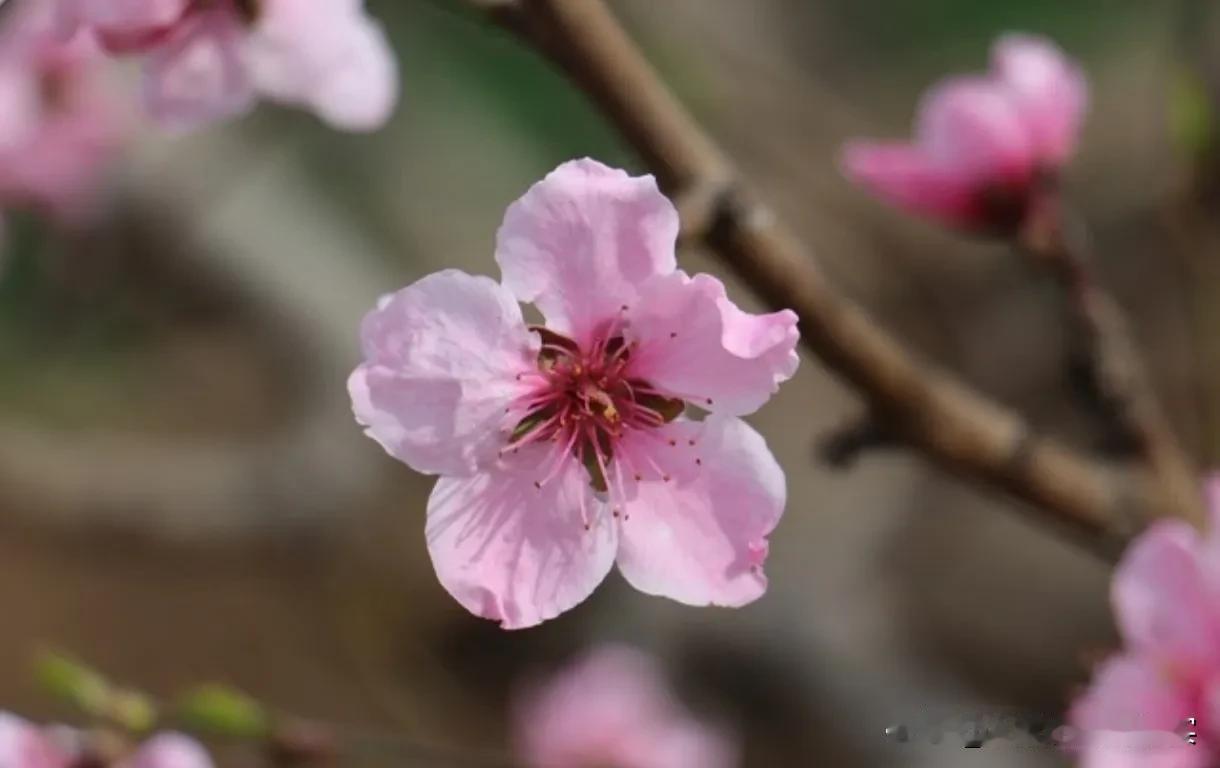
(612, 709)
(206, 61)
(982, 143)
(169, 750)
(24, 745)
(59, 122)
(1166, 596)
(562, 449)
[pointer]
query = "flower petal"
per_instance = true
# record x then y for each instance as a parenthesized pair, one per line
(902, 175)
(197, 75)
(1050, 91)
(612, 708)
(170, 750)
(441, 363)
(1161, 600)
(580, 242)
(701, 537)
(694, 343)
(330, 56)
(23, 745)
(1127, 718)
(972, 128)
(517, 553)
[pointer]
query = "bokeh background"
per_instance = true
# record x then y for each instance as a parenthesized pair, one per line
(184, 495)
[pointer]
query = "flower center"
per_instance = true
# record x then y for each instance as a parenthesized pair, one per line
(584, 402)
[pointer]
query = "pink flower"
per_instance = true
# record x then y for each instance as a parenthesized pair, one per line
(169, 750)
(981, 142)
(59, 126)
(206, 61)
(24, 745)
(612, 710)
(1166, 595)
(561, 449)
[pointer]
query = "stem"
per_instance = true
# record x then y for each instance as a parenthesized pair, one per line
(957, 428)
(1119, 378)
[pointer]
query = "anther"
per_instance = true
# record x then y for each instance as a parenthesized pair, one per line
(699, 461)
(691, 441)
(673, 334)
(709, 401)
(638, 477)
(538, 485)
(673, 442)
(665, 478)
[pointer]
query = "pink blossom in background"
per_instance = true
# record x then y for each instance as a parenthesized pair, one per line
(169, 750)
(563, 451)
(60, 125)
(981, 141)
(612, 709)
(206, 61)
(1166, 596)
(24, 745)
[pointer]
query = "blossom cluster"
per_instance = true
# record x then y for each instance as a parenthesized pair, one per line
(63, 116)
(26, 745)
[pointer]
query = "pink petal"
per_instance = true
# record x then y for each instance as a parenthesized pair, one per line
(581, 242)
(1128, 717)
(1050, 91)
(330, 56)
(612, 708)
(123, 17)
(701, 537)
(1160, 598)
(903, 176)
(971, 128)
(517, 553)
(23, 745)
(197, 75)
(1132, 692)
(441, 362)
(696, 344)
(170, 750)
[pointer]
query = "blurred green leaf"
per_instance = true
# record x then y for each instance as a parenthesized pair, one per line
(1192, 118)
(133, 710)
(223, 711)
(72, 681)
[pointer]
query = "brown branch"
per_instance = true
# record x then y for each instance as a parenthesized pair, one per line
(1119, 380)
(957, 428)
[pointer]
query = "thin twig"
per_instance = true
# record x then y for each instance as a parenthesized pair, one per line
(1061, 244)
(953, 425)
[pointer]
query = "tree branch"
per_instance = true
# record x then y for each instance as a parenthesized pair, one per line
(1119, 380)
(957, 428)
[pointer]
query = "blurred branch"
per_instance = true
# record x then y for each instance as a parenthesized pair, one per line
(956, 427)
(1117, 377)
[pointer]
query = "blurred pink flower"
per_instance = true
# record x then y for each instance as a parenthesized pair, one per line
(561, 449)
(981, 142)
(206, 61)
(1166, 596)
(612, 709)
(25, 745)
(59, 123)
(169, 750)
